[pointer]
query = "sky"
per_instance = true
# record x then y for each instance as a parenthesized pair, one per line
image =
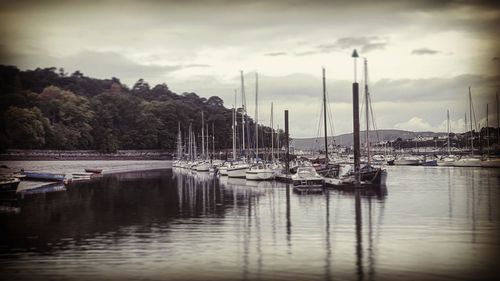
(422, 55)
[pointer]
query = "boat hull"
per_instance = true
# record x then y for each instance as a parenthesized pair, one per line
(260, 174)
(44, 176)
(223, 171)
(406, 162)
(203, 167)
(237, 172)
(468, 163)
(494, 163)
(9, 186)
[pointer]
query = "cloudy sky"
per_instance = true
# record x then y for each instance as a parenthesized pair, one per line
(422, 55)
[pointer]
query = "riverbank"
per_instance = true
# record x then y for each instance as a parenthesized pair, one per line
(33, 154)
(70, 167)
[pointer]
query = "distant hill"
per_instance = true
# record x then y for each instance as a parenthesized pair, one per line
(347, 139)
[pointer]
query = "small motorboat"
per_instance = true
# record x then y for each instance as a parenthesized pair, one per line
(82, 176)
(93, 170)
(8, 185)
(44, 176)
(307, 180)
(259, 172)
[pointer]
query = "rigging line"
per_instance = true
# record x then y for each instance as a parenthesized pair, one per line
(330, 117)
(474, 115)
(374, 121)
(320, 121)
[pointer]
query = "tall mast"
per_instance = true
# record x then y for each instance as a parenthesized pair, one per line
(324, 117)
(470, 115)
(498, 123)
(487, 131)
(194, 145)
(213, 141)
(355, 109)
(208, 151)
(190, 143)
(278, 142)
(465, 131)
(367, 93)
(243, 113)
(272, 134)
(202, 136)
(256, 117)
(179, 141)
(234, 127)
(448, 118)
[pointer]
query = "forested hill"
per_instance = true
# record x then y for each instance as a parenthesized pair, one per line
(49, 109)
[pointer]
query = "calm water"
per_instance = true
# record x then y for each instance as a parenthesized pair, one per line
(434, 223)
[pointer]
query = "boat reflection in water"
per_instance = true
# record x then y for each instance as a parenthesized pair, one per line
(188, 225)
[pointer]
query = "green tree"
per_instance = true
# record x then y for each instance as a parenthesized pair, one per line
(25, 127)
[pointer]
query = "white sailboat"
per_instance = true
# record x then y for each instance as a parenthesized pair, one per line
(238, 170)
(471, 160)
(449, 159)
(258, 171)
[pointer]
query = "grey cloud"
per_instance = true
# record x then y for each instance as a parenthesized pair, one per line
(196, 65)
(365, 44)
(424, 51)
(275, 54)
(306, 53)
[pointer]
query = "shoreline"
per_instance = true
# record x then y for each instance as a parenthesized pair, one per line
(69, 167)
(65, 155)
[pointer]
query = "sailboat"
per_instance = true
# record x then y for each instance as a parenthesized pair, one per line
(449, 159)
(258, 171)
(238, 170)
(471, 160)
(367, 175)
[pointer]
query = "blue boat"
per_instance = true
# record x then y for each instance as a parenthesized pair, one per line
(429, 163)
(44, 176)
(51, 187)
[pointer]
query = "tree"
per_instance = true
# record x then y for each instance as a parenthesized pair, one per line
(25, 127)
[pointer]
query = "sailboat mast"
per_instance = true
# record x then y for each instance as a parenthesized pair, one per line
(324, 117)
(448, 118)
(213, 140)
(272, 134)
(208, 151)
(487, 131)
(256, 117)
(202, 136)
(243, 113)
(465, 131)
(355, 110)
(367, 93)
(234, 127)
(498, 122)
(179, 141)
(190, 143)
(278, 142)
(470, 115)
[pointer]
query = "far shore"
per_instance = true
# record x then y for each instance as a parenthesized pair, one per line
(46, 155)
(69, 167)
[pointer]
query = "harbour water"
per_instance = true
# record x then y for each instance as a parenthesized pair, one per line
(432, 223)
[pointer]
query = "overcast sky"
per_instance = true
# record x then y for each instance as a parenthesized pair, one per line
(422, 55)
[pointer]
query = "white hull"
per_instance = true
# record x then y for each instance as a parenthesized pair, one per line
(491, 163)
(223, 170)
(203, 167)
(259, 174)
(407, 162)
(469, 162)
(446, 163)
(237, 172)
